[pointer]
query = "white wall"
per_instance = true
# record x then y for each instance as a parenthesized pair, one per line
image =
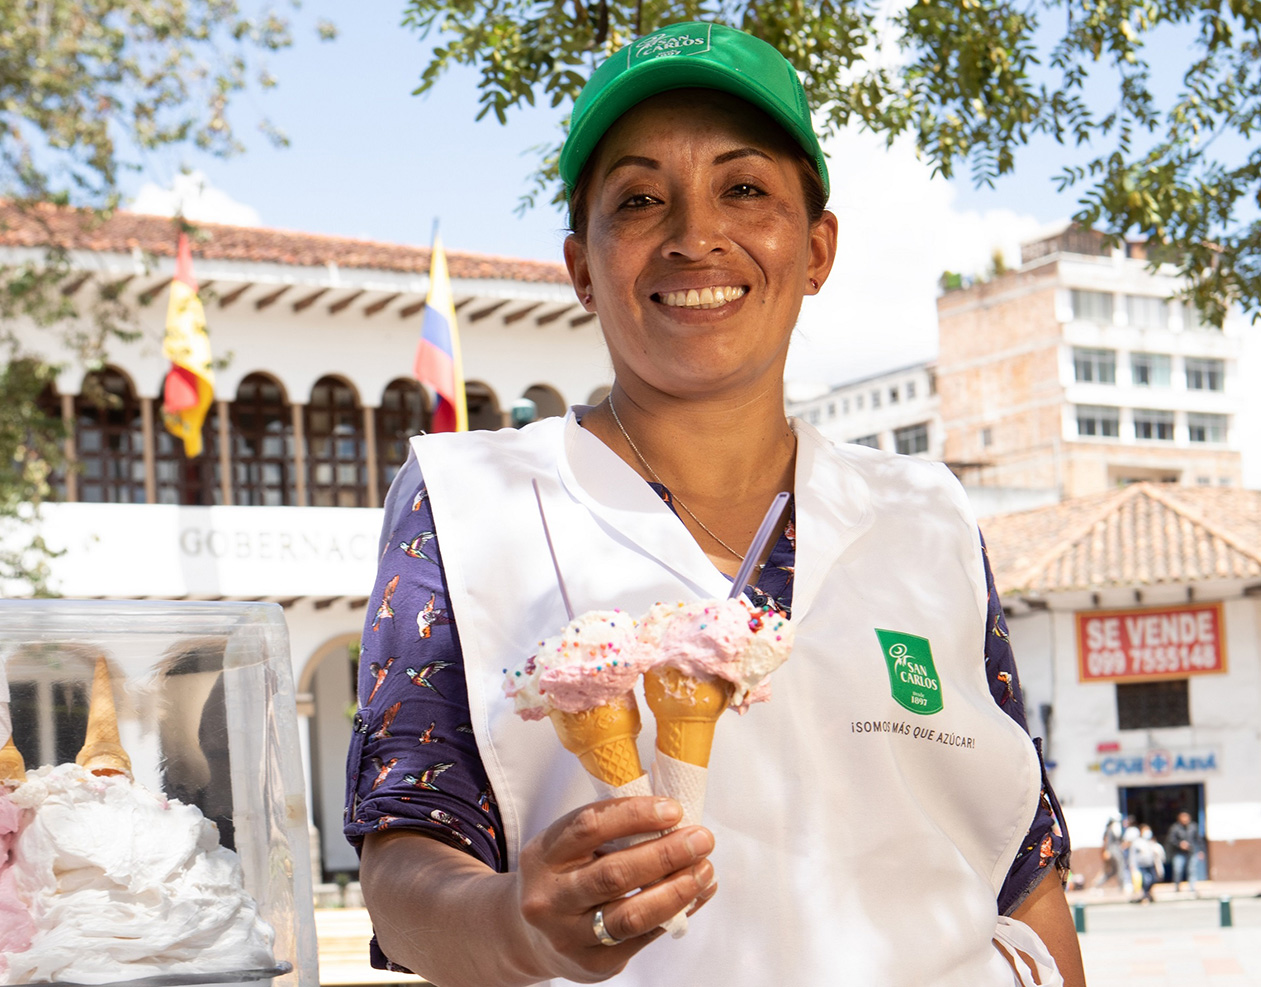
(1223, 710)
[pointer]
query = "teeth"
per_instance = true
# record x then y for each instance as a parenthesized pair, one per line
(704, 298)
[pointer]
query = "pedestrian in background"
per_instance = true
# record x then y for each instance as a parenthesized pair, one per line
(1129, 836)
(1185, 851)
(1113, 855)
(1148, 857)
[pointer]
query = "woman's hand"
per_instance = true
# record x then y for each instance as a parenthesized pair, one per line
(444, 914)
(565, 875)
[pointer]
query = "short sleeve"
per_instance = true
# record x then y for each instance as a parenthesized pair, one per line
(1045, 848)
(413, 761)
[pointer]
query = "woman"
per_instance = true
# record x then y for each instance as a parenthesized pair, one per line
(1149, 858)
(849, 838)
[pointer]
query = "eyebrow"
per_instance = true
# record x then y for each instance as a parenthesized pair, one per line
(654, 164)
(741, 152)
(632, 159)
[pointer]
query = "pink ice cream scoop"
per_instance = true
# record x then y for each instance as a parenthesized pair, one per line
(16, 927)
(593, 660)
(727, 639)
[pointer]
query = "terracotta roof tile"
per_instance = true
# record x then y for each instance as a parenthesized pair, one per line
(43, 225)
(1141, 535)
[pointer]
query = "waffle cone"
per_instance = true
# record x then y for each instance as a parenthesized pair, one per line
(604, 739)
(687, 711)
(12, 767)
(102, 752)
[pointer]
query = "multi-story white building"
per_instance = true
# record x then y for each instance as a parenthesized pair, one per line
(310, 422)
(1081, 370)
(897, 410)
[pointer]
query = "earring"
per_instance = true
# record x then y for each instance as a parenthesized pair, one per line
(814, 284)
(586, 299)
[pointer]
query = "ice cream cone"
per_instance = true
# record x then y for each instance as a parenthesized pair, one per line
(12, 767)
(604, 739)
(102, 753)
(687, 711)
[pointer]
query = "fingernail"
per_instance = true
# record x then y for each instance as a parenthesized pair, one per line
(703, 874)
(698, 842)
(668, 810)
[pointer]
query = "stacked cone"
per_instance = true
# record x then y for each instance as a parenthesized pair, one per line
(604, 739)
(12, 767)
(102, 752)
(687, 710)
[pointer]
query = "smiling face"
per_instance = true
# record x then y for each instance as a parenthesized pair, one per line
(698, 244)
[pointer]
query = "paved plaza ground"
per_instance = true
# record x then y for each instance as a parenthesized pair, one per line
(1178, 941)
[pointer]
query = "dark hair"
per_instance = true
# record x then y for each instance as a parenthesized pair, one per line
(816, 199)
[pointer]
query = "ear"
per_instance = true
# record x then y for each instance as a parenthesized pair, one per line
(822, 247)
(579, 271)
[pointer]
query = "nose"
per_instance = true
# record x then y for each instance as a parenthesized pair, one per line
(695, 229)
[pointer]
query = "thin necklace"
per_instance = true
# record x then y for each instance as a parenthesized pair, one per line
(653, 473)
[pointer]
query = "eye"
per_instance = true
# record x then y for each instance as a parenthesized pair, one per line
(745, 190)
(638, 200)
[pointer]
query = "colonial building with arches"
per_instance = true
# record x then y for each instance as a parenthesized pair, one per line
(314, 338)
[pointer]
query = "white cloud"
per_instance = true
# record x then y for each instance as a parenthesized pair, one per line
(899, 230)
(192, 195)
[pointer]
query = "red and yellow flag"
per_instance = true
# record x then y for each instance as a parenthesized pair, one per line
(190, 384)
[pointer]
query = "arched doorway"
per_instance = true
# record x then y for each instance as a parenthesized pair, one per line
(483, 406)
(178, 479)
(404, 412)
(109, 440)
(336, 455)
(49, 406)
(329, 677)
(547, 401)
(261, 424)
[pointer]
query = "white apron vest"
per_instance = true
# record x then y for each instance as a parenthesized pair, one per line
(859, 840)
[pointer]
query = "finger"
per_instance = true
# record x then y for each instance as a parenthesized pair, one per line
(578, 835)
(641, 914)
(703, 899)
(614, 875)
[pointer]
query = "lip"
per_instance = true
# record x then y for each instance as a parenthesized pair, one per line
(696, 279)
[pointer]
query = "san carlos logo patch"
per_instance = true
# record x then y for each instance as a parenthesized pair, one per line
(913, 679)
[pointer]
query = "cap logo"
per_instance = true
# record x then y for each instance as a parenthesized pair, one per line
(689, 39)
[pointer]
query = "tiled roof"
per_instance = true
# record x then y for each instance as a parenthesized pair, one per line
(123, 232)
(1141, 535)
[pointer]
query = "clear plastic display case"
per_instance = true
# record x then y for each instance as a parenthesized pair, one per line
(204, 703)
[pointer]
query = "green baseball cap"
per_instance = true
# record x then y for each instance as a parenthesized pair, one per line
(685, 56)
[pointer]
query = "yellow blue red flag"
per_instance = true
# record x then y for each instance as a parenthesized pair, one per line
(190, 384)
(438, 363)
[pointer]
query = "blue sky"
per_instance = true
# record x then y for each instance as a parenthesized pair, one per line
(369, 159)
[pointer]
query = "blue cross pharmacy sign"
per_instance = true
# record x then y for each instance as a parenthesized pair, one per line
(1159, 764)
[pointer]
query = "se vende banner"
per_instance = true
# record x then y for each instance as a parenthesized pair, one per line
(1129, 645)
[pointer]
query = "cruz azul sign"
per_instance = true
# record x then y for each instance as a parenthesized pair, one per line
(1157, 763)
(1146, 644)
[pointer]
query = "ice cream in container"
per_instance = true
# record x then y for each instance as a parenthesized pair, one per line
(171, 846)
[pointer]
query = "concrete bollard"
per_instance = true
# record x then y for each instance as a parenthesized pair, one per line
(1079, 917)
(1224, 913)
